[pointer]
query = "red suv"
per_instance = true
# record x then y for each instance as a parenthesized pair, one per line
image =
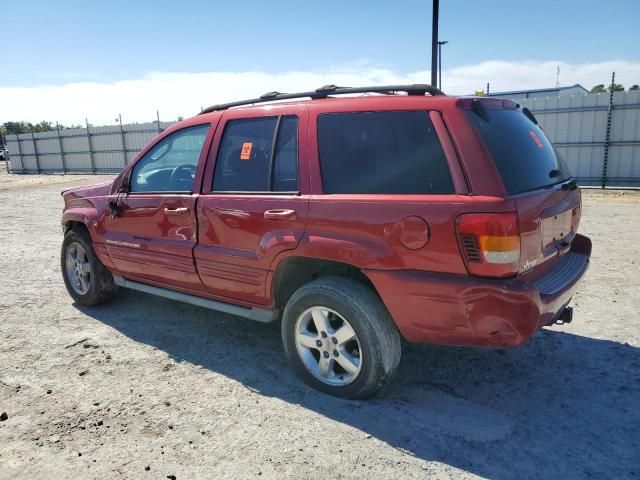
(358, 221)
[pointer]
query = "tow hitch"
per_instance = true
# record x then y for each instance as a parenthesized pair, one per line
(565, 316)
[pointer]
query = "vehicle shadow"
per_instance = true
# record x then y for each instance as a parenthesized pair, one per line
(562, 406)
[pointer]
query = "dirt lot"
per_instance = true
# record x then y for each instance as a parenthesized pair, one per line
(149, 388)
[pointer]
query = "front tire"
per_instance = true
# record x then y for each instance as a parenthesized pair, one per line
(87, 280)
(340, 339)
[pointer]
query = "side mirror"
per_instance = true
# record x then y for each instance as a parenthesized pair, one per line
(124, 185)
(114, 209)
(114, 205)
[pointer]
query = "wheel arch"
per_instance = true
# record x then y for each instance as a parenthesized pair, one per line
(78, 219)
(76, 226)
(84, 220)
(295, 271)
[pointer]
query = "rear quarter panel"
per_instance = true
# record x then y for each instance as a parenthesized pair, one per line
(363, 230)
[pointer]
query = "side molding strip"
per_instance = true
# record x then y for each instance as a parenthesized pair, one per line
(258, 314)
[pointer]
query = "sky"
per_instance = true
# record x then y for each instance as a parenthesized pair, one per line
(66, 61)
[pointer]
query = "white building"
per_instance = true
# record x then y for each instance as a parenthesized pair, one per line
(576, 89)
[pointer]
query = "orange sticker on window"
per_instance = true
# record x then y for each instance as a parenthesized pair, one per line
(245, 153)
(536, 139)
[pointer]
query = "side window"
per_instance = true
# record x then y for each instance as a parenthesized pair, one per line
(170, 166)
(246, 161)
(381, 152)
(285, 167)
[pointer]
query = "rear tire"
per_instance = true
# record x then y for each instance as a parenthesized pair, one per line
(87, 280)
(340, 339)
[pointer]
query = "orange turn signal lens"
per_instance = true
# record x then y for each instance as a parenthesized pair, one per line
(496, 249)
(499, 244)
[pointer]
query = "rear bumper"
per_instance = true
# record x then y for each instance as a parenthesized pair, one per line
(466, 310)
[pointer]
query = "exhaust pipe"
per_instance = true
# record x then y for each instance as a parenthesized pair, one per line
(566, 315)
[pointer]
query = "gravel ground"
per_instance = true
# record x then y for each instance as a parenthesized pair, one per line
(149, 388)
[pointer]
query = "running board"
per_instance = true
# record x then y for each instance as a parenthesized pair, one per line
(258, 314)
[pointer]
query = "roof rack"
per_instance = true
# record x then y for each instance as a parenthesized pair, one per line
(325, 91)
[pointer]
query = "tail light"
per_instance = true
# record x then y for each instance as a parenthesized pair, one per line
(490, 243)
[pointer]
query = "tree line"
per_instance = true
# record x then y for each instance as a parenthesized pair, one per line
(14, 128)
(614, 87)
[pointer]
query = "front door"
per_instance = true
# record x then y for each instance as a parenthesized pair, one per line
(153, 236)
(251, 209)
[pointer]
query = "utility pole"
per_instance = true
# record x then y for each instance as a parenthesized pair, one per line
(434, 42)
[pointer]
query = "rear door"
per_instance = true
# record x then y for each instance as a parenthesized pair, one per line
(154, 234)
(251, 208)
(535, 177)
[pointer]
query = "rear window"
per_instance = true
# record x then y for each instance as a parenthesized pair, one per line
(525, 158)
(381, 152)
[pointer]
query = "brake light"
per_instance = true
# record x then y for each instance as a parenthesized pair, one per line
(490, 243)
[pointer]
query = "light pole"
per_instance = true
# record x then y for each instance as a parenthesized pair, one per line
(444, 42)
(434, 41)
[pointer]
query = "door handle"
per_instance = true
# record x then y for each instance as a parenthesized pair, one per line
(176, 211)
(280, 214)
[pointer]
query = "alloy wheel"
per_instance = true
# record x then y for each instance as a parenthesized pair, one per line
(78, 268)
(328, 346)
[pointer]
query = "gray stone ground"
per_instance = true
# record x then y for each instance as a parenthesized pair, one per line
(148, 388)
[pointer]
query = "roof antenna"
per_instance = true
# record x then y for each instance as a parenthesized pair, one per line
(557, 76)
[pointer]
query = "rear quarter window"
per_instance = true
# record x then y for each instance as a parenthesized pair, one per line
(523, 154)
(381, 152)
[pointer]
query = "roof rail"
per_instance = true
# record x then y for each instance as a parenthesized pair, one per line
(325, 91)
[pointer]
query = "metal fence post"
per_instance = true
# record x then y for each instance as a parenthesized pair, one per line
(62, 159)
(35, 152)
(93, 163)
(124, 141)
(607, 138)
(3, 142)
(20, 152)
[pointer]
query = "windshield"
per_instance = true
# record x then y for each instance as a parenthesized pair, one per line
(523, 154)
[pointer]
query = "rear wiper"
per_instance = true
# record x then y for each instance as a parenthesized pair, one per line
(529, 114)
